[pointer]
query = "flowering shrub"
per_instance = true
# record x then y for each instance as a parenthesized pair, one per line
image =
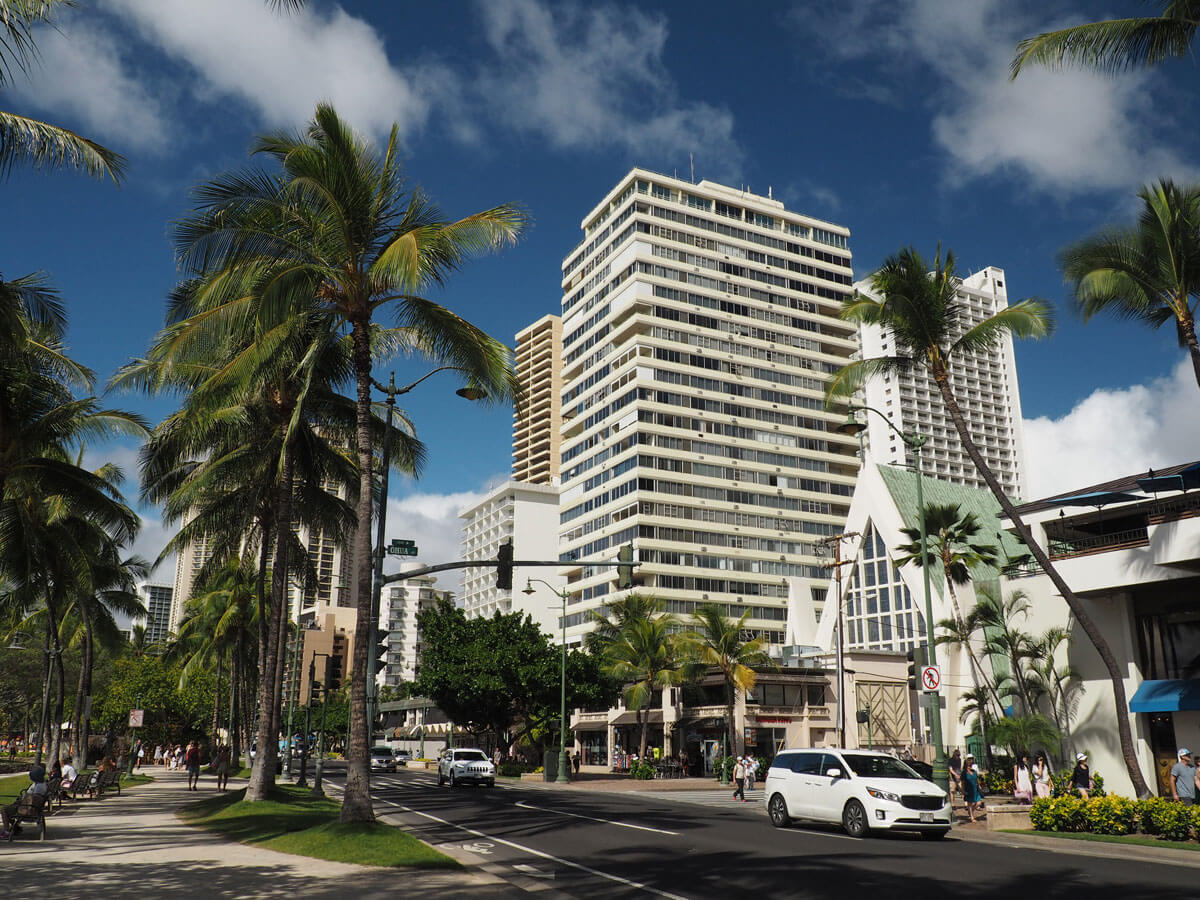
(1165, 818)
(1060, 785)
(1065, 813)
(1110, 815)
(995, 781)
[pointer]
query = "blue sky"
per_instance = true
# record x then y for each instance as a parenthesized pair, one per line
(893, 117)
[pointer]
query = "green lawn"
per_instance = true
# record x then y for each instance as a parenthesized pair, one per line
(1140, 840)
(293, 821)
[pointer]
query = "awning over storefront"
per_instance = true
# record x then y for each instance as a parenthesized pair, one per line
(653, 717)
(1169, 695)
(592, 725)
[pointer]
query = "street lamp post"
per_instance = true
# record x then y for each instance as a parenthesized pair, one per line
(392, 392)
(44, 722)
(914, 442)
(838, 562)
(320, 771)
(561, 778)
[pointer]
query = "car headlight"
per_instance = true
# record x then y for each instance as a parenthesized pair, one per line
(883, 795)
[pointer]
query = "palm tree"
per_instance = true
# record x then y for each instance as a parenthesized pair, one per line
(609, 621)
(1150, 272)
(1024, 734)
(1115, 45)
(919, 306)
(1003, 638)
(950, 540)
(28, 141)
(716, 641)
(1061, 684)
(339, 224)
(644, 655)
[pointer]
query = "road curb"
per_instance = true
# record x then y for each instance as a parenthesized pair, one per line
(1133, 852)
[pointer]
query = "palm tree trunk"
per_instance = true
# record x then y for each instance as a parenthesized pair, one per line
(60, 689)
(356, 801)
(1120, 700)
(642, 717)
(216, 719)
(77, 713)
(262, 775)
(235, 680)
(83, 724)
(729, 704)
(1187, 331)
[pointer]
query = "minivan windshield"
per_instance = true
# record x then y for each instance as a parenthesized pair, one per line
(470, 756)
(877, 766)
(381, 751)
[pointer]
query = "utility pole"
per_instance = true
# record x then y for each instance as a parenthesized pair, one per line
(836, 542)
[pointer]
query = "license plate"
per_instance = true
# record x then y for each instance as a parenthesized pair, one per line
(927, 817)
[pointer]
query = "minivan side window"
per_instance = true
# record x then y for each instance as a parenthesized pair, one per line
(783, 761)
(828, 761)
(806, 763)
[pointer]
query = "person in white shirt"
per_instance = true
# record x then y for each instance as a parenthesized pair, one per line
(69, 774)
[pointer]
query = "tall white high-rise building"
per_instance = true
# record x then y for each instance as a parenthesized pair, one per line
(700, 328)
(399, 605)
(538, 420)
(528, 515)
(985, 384)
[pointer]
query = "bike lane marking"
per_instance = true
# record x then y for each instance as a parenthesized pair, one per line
(539, 853)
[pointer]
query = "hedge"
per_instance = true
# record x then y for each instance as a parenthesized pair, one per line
(1113, 815)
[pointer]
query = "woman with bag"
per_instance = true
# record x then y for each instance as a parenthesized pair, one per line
(971, 792)
(1041, 776)
(739, 780)
(1022, 781)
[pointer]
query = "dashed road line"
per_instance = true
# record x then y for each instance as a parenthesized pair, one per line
(561, 812)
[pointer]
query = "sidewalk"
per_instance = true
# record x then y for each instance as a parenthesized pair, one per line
(134, 845)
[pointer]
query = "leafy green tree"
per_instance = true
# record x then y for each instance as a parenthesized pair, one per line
(1149, 272)
(501, 674)
(716, 641)
(1115, 45)
(28, 141)
(339, 224)
(150, 683)
(918, 305)
(1061, 684)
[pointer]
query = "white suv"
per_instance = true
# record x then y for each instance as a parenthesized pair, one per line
(860, 789)
(465, 766)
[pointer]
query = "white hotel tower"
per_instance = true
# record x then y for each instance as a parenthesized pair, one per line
(985, 385)
(699, 330)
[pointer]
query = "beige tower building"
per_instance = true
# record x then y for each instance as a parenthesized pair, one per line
(700, 328)
(536, 423)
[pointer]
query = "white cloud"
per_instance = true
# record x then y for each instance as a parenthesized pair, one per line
(282, 65)
(83, 76)
(1064, 131)
(431, 520)
(1112, 433)
(587, 77)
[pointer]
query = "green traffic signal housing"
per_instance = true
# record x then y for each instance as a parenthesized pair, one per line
(917, 658)
(625, 565)
(504, 567)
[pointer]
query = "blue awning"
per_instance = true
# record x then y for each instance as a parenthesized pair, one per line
(1166, 696)
(1097, 498)
(1183, 480)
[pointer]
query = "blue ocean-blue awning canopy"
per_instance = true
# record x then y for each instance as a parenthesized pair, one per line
(1168, 695)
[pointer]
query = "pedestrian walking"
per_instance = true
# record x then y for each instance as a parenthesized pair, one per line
(221, 767)
(751, 772)
(739, 779)
(955, 774)
(158, 754)
(1022, 780)
(1183, 778)
(138, 755)
(971, 791)
(1041, 776)
(576, 762)
(192, 758)
(1081, 777)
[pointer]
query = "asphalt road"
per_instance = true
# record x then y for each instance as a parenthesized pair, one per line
(593, 845)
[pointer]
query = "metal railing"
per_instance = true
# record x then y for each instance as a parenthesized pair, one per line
(1117, 540)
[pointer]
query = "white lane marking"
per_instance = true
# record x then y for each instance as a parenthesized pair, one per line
(540, 853)
(560, 812)
(532, 871)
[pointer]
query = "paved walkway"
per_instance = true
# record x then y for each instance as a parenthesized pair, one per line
(134, 845)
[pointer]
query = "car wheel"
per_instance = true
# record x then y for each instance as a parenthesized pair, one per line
(777, 810)
(491, 782)
(854, 820)
(441, 780)
(935, 835)
(453, 781)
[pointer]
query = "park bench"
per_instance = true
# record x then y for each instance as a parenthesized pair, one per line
(54, 793)
(30, 808)
(101, 781)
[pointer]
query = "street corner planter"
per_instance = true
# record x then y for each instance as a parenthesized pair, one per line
(1008, 817)
(533, 776)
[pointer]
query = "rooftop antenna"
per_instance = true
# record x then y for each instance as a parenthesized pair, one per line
(770, 192)
(677, 173)
(692, 163)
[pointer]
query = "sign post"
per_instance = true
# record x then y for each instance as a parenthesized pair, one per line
(136, 718)
(400, 547)
(931, 678)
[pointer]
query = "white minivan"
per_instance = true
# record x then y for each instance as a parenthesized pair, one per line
(860, 789)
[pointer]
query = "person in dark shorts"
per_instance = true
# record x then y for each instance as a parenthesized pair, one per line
(192, 760)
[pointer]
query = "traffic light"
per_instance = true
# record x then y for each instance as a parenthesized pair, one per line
(916, 661)
(381, 650)
(625, 566)
(504, 571)
(314, 690)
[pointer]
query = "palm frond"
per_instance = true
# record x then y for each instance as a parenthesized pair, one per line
(26, 141)
(1113, 45)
